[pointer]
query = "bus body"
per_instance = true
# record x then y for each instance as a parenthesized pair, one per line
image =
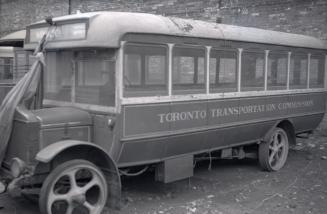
(14, 61)
(123, 90)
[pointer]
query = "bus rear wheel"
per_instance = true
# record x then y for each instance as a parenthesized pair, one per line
(76, 186)
(273, 154)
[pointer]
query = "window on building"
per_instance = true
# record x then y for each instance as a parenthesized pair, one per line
(188, 70)
(223, 71)
(145, 70)
(298, 71)
(252, 72)
(317, 71)
(277, 71)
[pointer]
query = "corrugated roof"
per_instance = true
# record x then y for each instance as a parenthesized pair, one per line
(107, 28)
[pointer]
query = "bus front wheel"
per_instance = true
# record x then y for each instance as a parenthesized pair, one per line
(75, 186)
(273, 153)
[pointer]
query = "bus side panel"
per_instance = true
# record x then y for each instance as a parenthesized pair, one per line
(139, 120)
(313, 105)
(135, 152)
(305, 123)
(156, 131)
(187, 115)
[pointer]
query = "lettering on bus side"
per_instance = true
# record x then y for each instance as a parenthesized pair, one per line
(166, 117)
(224, 112)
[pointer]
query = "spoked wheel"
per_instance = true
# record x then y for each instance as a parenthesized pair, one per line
(273, 154)
(76, 186)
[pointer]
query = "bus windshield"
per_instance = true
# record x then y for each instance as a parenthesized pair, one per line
(80, 77)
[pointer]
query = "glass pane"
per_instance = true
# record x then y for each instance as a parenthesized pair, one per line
(132, 70)
(24, 60)
(223, 71)
(145, 70)
(6, 69)
(252, 74)
(92, 81)
(298, 71)
(21, 65)
(317, 71)
(95, 82)
(58, 76)
(277, 71)
(156, 74)
(188, 70)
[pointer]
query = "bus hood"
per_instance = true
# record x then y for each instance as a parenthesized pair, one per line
(62, 116)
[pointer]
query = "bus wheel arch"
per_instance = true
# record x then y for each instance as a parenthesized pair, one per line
(73, 150)
(287, 126)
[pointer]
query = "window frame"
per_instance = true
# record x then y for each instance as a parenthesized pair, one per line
(166, 92)
(91, 107)
(208, 46)
(306, 55)
(324, 69)
(249, 89)
(196, 71)
(225, 90)
(286, 55)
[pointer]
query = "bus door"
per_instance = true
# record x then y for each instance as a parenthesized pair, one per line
(94, 84)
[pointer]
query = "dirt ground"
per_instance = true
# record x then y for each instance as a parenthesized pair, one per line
(230, 187)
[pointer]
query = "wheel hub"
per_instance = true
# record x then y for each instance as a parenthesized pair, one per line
(78, 199)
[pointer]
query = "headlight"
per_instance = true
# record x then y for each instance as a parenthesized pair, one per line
(17, 167)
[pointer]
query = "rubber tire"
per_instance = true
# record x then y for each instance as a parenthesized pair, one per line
(53, 175)
(264, 152)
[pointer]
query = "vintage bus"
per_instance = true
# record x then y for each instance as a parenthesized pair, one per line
(125, 92)
(14, 61)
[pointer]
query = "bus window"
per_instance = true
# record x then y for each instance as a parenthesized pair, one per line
(188, 70)
(82, 77)
(223, 71)
(298, 71)
(95, 78)
(24, 60)
(145, 70)
(6, 70)
(58, 77)
(277, 71)
(252, 72)
(317, 69)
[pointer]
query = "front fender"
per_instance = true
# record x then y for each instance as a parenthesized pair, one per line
(50, 152)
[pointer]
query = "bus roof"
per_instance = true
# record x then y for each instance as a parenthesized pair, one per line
(107, 28)
(15, 39)
(6, 52)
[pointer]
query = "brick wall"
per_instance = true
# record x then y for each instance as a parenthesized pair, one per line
(297, 16)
